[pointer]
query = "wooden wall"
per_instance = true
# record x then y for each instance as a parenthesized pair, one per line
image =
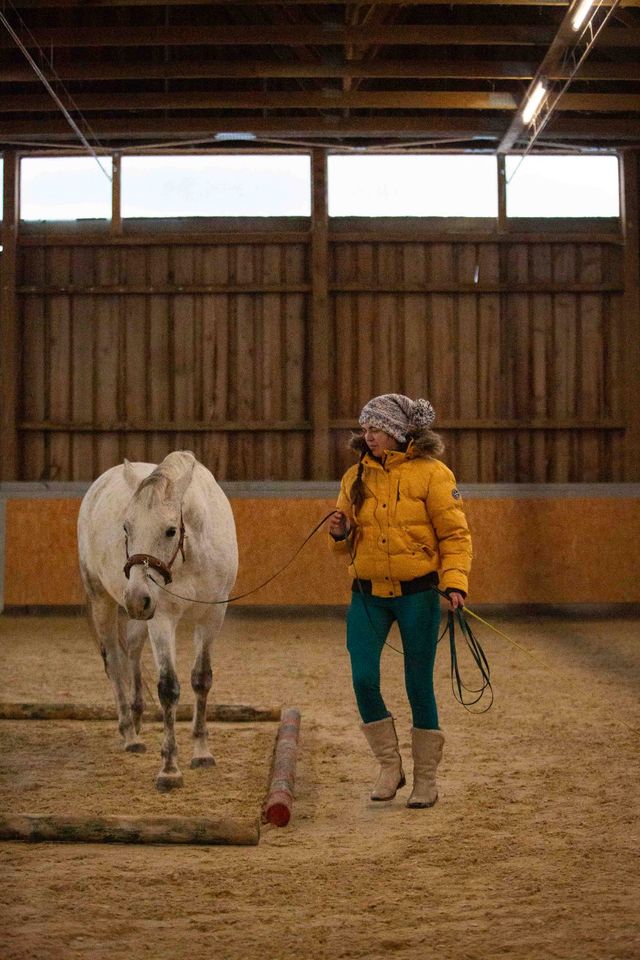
(215, 337)
(137, 350)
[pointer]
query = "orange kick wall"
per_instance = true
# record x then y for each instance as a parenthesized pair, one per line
(555, 550)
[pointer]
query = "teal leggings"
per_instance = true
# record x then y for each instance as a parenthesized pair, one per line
(369, 620)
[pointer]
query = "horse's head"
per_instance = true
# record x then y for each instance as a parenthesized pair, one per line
(154, 531)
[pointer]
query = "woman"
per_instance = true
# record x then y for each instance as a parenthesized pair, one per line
(399, 520)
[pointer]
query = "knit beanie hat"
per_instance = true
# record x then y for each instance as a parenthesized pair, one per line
(397, 415)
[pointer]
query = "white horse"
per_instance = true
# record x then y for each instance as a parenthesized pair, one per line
(141, 527)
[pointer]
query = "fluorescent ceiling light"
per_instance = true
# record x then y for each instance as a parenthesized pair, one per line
(581, 13)
(235, 136)
(533, 103)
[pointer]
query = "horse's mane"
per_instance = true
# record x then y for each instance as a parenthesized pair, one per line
(172, 468)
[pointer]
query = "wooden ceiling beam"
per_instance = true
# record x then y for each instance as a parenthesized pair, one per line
(251, 69)
(303, 35)
(308, 35)
(332, 99)
(98, 4)
(329, 128)
(378, 69)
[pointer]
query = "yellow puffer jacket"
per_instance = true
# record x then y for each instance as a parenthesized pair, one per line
(410, 524)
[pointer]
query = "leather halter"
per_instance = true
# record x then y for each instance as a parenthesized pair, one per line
(148, 560)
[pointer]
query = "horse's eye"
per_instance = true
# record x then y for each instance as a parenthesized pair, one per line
(170, 532)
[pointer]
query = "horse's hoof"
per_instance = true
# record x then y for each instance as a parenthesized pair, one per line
(137, 747)
(168, 781)
(202, 762)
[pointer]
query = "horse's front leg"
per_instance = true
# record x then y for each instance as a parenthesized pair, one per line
(162, 636)
(136, 635)
(104, 615)
(201, 679)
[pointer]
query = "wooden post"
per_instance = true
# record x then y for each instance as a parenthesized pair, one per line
(9, 320)
(217, 712)
(630, 218)
(116, 195)
(319, 378)
(280, 797)
(502, 193)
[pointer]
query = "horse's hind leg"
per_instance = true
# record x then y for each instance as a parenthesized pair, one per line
(104, 614)
(201, 680)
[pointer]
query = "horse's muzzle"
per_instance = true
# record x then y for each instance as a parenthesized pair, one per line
(138, 601)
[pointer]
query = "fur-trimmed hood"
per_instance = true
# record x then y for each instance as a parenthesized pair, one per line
(424, 443)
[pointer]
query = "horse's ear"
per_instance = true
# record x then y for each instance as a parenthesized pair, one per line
(129, 475)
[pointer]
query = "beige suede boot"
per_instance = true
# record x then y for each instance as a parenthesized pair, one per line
(427, 752)
(382, 738)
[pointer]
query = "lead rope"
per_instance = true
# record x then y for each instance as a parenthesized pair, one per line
(477, 653)
(458, 687)
(457, 683)
(241, 596)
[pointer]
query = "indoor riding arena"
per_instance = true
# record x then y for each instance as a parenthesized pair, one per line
(227, 229)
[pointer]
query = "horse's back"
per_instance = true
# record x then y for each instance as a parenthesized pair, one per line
(207, 500)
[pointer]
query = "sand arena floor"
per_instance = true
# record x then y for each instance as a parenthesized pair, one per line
(531, 853)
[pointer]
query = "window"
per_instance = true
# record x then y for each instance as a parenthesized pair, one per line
(402, 185)
(216, 186)
(65, 188)
(584, 186)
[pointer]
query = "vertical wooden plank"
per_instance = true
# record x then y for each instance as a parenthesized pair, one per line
(105, 375)
(182, 363)
(33, 373)
(442, 345)
(414, 348)
(631, 311)
(382, 328)
(519, 332)
(489, 382)
(105, 372)
(319, 319)
(271, 376)
(591, 362)
(83, 368)
(60, 386)
(244, 374)
(503, 223)
(366, 307)
(160, 361)
(541, 312)
(273, 347)
(215, 381)
(563, 404)
(116, 194)
(489, 322)
(9, 455)
(135, 357)
(295, 326)
(466, 305)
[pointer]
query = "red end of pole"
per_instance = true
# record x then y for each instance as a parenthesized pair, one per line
(280, 797)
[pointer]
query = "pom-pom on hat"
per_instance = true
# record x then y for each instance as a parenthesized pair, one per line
(397, 415)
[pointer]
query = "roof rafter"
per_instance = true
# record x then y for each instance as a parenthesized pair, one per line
(98, 4)
(327, 99)
(581, 128)
(93, 69)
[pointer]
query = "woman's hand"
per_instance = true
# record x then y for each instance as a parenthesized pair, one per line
(338, 525)
(455, 599)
